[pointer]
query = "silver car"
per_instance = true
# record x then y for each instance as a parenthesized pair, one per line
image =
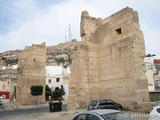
(157, 103)
(106, 114)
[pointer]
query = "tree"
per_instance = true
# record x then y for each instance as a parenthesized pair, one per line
(62, 90)
(57, 88)
(48, 92)
(58, 93)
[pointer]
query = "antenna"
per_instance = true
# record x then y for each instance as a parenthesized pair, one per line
(70, 34)
(65, 38)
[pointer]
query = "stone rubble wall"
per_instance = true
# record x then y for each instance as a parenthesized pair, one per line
(31, 71)
(109, 64)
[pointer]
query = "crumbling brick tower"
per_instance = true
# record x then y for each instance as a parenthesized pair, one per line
(31, 71)
(109, 62)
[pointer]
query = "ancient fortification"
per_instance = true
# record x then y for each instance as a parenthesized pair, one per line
(31, 67)
(31, 71)
(109, 62)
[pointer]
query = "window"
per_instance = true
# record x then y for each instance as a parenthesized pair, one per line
(81, 117)
(157, 104)
(93, 117)
(158, 110)
(109, 102)
(49, 81)
(93, 103)
(106, 102)
(103, 103)
(57, 79)
(117, 116)
(118, 31)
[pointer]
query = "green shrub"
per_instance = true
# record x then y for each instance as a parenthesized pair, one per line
(58, 93)
(36, 90)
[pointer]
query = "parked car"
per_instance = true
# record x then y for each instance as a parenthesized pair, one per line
(155, 113)
(104, 104)
(106, 114)
(1, 100)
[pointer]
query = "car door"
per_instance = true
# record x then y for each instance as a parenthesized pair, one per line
(108, 105)
(102, 105)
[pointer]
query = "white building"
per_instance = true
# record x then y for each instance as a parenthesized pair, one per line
(149, 63)
(151, 81)
(54, 78)
(8, 80)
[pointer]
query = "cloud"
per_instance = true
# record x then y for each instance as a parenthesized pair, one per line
(51, 25)
(152, 37)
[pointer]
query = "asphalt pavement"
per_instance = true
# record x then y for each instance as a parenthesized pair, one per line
(2, 108)
(9, 114)
(23, 112)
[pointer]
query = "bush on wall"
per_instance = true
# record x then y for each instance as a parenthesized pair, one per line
(36, 90)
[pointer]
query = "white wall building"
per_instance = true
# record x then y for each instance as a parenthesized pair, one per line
(8, 80)
(149, 63)
(151, 81)
(54, 78)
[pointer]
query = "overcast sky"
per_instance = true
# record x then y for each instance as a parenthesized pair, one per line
(26, 22)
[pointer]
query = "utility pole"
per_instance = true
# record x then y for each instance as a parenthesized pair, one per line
(69, 34)
(65, 38)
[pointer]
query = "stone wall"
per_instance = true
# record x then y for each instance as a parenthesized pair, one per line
(109, 62)
(31, 71)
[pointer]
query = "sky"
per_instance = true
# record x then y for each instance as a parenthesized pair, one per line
(27, 22)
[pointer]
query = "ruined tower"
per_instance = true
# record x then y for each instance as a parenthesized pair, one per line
(109, 62)
(31, 72)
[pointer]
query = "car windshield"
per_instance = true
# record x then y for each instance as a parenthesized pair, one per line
(157, 104)
(93, 103)
(117, 116)
(109, 101)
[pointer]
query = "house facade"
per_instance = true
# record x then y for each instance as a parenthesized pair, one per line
(56, 76)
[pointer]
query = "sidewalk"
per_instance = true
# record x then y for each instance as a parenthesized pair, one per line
(40, 106)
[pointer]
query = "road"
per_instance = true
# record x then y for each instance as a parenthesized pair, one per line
(29, 114)
(40, 114)
(2, 108)
(8, 115)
